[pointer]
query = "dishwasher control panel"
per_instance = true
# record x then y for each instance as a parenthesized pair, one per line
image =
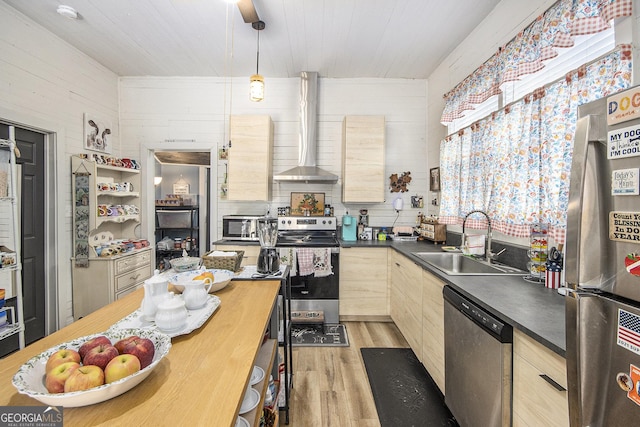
(484, 319)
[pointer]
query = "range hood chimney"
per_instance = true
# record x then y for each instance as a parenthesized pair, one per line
(307, 171)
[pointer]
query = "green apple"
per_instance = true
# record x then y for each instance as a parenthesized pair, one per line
(62, 356)
(84, 378)
(120, 367)
(57, 376)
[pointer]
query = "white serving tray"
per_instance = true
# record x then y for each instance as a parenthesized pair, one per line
(195, 319)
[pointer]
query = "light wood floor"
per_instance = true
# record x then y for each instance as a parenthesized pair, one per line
(330, 386)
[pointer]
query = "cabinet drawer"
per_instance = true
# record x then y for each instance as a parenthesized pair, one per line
(132, 262)
(536, 399)
(132, 277)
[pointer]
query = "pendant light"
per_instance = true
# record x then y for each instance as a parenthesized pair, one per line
(256, 81)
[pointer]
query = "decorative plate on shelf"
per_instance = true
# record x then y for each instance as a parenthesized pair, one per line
(195, 319)
(30, 377)
(313, 202)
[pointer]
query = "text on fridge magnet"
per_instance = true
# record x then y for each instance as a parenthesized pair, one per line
(623, 106)
(624, 226)
(625, 182)
(623, 142)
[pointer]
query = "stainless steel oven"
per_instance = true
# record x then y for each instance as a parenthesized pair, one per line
(240, 227)
(309, 245)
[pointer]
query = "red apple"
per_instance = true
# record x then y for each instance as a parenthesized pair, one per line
(62, 356)
(120, 345)
(84, 378)
(143, 349)
(100, 355)
(84, 348)
(121, 366)
(57, 376)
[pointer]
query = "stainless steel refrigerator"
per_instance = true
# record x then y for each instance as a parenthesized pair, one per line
(602, 265)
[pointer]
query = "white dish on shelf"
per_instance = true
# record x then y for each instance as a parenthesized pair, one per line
(195, 319)
(257, 375)
(250, 401)
(29, 379)
(242, 422)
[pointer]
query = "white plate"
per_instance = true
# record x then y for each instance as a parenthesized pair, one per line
(242, 422)
(257, 375)
(221, 278)
(250, 401)
(195, 319)
(29, 379)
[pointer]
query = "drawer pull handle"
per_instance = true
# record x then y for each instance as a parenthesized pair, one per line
(552, 382)
(135, 277)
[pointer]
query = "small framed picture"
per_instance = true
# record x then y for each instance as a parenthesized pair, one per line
(434, 179)
(97, 134)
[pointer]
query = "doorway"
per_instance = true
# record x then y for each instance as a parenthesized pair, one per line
(31, 184)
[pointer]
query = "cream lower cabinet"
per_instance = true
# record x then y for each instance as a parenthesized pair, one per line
(433, 327)
(539, 384)
(406, 299)
(108, 279)
(250, 256)
(363, 283)
(250, 158)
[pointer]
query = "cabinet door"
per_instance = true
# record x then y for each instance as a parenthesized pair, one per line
(537, 401)
(250, 157)
(363, 282)
(363, 159)
(406, 279)
(433, 327)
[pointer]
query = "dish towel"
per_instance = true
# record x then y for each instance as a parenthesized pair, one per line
(316, 261)
(288, 257)
(475, 244)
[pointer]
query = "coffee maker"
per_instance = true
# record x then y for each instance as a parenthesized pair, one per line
(268, 259)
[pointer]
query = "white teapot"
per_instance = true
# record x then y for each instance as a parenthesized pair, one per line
(195, 293)
(155, 290)
(171, 314)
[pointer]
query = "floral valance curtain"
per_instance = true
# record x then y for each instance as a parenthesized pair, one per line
(526, 53)
(515, 164)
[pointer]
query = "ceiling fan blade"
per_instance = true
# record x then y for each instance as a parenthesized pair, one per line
(248, 11)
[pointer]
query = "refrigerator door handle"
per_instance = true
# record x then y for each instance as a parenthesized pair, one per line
(589, 129)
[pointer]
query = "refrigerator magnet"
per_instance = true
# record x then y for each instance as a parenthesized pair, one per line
(632, 264)
(624, 226)
(625, 182)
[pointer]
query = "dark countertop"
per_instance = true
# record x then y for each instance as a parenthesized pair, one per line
(528, 307)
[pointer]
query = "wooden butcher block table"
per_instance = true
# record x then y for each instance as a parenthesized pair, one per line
(201, 381)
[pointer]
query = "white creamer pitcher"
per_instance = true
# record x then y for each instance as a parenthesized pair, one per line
(155, 290)
(195, 293)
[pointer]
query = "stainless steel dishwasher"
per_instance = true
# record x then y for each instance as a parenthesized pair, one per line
(478, 363)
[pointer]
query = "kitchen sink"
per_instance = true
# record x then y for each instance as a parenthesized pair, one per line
(457, 264)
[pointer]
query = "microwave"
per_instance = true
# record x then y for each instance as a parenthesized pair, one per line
(240, 227)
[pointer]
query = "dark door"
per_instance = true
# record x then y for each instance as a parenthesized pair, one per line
(31, 145)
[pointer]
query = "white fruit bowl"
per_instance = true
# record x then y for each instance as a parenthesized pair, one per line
(29, 379)
(221, 278)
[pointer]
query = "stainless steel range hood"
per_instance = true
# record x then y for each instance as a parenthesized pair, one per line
(307, 171)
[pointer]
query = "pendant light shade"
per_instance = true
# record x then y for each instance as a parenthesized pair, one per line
(256, 88)
(256, 81)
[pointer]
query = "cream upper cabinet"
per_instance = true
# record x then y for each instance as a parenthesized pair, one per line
(433, 327)
(363, 282)
(250, 158)
(539, 384)
(363, 154)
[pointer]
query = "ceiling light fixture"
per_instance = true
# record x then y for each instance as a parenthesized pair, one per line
(256, 82)
(67, 11)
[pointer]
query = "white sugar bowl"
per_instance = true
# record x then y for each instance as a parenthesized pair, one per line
(172, 313)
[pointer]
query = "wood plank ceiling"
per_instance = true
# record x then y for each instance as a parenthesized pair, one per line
(337, 38)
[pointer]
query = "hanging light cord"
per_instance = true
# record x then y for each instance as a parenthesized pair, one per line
(258, 54)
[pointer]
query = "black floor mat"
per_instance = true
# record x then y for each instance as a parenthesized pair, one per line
(404, 393)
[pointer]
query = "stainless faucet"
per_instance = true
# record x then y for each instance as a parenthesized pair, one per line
(489, 255)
